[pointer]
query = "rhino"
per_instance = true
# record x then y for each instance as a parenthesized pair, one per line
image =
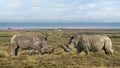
(89, 43)
(30, 41)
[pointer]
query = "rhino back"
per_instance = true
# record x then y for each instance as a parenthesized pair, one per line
(25, 40)
(93, 42)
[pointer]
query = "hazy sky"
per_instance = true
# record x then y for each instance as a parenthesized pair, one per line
(59, 10)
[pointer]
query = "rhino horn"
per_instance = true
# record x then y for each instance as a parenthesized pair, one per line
(65, 49)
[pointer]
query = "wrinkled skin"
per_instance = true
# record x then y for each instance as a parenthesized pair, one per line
(32, 41)
(87, 43)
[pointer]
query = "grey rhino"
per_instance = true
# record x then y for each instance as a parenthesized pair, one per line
(91, 43)
(33, 41)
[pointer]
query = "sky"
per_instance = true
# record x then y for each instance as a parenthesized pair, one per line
(60, 11)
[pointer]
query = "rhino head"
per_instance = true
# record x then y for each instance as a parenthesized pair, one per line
(49, 49)
(73, 42)
(46, 48)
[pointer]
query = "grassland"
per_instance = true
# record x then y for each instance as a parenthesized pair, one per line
(59, 59)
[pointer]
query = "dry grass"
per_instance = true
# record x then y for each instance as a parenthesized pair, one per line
(59, 59)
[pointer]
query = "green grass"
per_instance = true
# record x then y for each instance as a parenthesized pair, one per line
(59, 59)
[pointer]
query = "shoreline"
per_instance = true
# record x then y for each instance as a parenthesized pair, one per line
(23, 28)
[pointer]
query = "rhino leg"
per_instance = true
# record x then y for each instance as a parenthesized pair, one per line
(108, 52)
(111, 51)
(108, 47)
(79, 51)
(15, 50)
(86, 51)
